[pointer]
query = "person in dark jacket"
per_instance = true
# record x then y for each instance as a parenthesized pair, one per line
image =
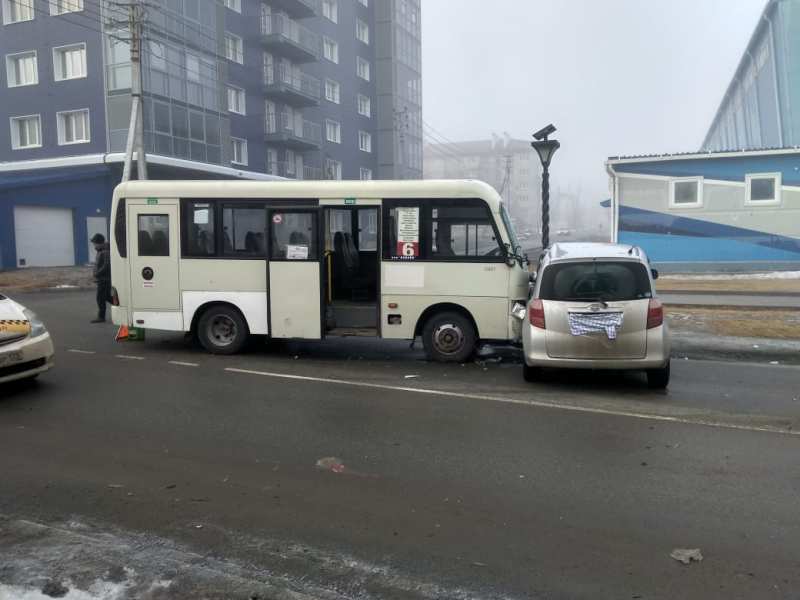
(102, 275)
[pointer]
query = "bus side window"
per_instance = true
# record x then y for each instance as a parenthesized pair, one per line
(200, 239)
(402, 230)
(294, 236)
(120, 231)
(462, 229)
(243, 231)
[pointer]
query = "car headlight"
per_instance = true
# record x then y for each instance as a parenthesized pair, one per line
(37, 327)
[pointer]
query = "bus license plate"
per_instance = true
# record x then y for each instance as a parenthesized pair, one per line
(9, 358)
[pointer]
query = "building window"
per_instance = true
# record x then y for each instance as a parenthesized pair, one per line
(73, 127)
(60, 7)
(333, 169)
(22, 69)
(333, 131)
(364, 105)
(364, 141)
(332, 91)
(330, 10)
(365, 174)
(330, 49)
(362, 31)
(763, 189)
(686, 193)
(238, 151)
(362, 68)
(69, 62)
(26, 132)
(236, 100)
(234, 5)
(234, 49)
(16, 11)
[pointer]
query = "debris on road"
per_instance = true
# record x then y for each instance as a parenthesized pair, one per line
(687, 555)
(331, 463)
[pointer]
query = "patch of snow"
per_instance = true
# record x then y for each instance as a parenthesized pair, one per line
(728, 276)
(99, 590)
(64, 286)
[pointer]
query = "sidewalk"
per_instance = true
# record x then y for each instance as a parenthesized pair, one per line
(786, 300)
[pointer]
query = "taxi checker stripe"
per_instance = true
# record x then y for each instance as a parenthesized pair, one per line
(13, 322)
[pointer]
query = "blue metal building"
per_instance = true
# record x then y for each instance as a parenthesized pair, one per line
(305, 89)
(761, 107)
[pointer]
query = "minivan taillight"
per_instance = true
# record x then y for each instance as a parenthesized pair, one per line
(536, 313)
(655, 313)
(114, 297)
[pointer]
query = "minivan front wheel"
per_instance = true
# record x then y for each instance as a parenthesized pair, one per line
(449, 337)
(658, 379)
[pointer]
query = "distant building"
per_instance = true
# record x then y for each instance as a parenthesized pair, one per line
(726, 210)
(761, 107)
(509, 165)
(303, 89)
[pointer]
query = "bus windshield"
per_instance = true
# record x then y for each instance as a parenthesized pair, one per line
(512, 235)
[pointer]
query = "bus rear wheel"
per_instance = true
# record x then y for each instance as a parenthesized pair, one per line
(222, 330)
(449, 337)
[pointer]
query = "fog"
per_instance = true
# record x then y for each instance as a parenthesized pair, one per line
(616, 77)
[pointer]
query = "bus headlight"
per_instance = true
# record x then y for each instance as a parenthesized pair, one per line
(37, 327)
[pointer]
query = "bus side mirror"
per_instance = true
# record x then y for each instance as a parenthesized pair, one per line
(654, 273)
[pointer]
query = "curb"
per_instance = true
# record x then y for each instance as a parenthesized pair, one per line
(785, 352)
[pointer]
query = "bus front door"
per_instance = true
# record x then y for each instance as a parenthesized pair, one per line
(295, 273)
(153, 255)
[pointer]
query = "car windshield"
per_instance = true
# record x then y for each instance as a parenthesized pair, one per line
(595, 281)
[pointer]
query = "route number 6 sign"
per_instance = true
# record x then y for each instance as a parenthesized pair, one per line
(407, 232)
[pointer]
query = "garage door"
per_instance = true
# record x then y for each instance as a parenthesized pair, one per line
(44, 236)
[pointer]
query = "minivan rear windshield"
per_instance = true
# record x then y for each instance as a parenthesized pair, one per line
(602, 281)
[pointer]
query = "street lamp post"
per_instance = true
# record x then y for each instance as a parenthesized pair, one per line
(545, 149)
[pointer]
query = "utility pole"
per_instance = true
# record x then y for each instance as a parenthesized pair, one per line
(135, 141)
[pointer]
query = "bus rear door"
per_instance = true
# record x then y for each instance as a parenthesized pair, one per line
(294, 289)
(153, 251)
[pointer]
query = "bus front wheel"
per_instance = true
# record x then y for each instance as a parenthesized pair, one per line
(222, 330)
(449, 337)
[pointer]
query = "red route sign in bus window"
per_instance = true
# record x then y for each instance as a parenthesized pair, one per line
(407, 231)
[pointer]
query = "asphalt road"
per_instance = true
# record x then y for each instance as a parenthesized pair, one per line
(355, 469)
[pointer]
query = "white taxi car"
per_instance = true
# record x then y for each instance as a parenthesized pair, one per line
(594, 306)
(25, 346)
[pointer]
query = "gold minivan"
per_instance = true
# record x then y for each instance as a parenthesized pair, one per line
(594, 306)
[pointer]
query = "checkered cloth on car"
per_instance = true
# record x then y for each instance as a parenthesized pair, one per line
(587, 323)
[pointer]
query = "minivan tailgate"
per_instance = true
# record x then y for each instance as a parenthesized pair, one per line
(630, 342)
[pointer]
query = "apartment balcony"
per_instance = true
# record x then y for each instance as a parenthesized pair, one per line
(297, 134)
(289, 170)
(288, 38)
(286, 85)
(298, 9)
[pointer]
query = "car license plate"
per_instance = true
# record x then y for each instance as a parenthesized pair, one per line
(9, 358)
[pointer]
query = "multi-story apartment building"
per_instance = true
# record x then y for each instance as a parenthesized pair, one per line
(511, 166)
(304, 89)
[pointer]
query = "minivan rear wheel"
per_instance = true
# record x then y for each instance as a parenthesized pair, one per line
(658, 379)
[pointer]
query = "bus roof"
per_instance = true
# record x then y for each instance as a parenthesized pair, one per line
(422, 188)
